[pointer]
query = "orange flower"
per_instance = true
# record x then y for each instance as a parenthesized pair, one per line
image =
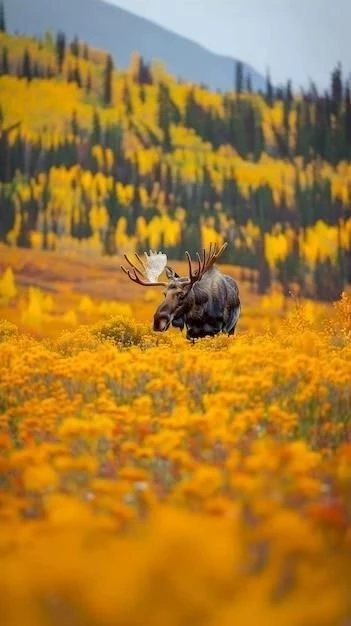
(39, 478)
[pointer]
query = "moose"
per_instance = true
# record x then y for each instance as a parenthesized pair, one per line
(206, 301)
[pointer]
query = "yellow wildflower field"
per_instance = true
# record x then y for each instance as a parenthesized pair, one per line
(145, 481)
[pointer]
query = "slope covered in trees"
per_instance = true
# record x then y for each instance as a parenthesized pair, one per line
(118, 160)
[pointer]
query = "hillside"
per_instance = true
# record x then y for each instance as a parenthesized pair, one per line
(111, 160)
(122, 33)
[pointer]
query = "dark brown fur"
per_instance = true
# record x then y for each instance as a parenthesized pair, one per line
(206, 308)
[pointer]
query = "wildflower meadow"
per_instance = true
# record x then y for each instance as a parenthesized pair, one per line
(146, 480)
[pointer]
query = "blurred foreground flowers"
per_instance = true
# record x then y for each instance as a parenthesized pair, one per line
(146, 482)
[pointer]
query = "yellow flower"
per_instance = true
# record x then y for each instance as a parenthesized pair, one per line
(39, 478)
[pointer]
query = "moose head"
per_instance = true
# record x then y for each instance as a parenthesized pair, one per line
(182, 293)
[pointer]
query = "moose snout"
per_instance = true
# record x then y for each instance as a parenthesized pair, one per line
(161, 322)
(162, 318)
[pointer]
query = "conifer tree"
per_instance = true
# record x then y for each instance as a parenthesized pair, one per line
(26, 66)
(88, 84)
(74, 123)
(96, 132)
(36, 71)
(126, 99)
(168, 113)
(70, 73)
(336, 88)
(269, 90)
(2, 18)
(75, 47)
(239, 77)
(108, 76)
(60, 49)
(5, 68)
(86, 52)
(348, 117)
(76, 75)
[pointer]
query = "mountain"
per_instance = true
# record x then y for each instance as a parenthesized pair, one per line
(120, 32)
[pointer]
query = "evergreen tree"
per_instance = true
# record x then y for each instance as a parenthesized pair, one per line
(5, 68)
(288, 93)
(348, 117)
(269, 90)
(26, 66)
(142, 94)
(126, 99)
(88, 83)
(259, 142)
(70, 74)
(145, 77)
(36, 71)
(239, 77)
(319, 129)
(96, 135)
(76, 75)
(264, 275)
(74, 124)
(191, 111)
(2, 18)
(60, 49)
(168, 113)
(7, 213)
(250, 123)
(327, 280)
(336, 88)
(6, 169)
(291, 270)
(287, 104)
(75, 47)
(86, 52)
(108, 76)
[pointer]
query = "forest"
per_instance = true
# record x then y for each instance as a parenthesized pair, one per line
(108, 160)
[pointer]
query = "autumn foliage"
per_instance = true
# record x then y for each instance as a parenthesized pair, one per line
(111, 160)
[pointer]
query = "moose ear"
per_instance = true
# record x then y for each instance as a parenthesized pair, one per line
(201, 296)
(171, 273)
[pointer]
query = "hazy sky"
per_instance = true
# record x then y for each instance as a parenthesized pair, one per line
(295, 38)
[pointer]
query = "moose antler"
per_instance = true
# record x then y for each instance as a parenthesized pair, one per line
(150, 269)
(204, 263)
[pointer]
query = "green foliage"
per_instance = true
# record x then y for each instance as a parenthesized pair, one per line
(7, 330)
(124, 333)
(121, 332)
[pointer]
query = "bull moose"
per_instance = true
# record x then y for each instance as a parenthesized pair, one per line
(206, 301)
